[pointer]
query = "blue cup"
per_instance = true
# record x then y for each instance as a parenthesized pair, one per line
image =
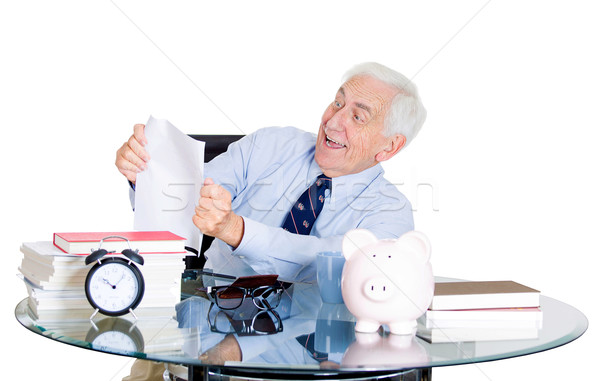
(329, 276)
(334, 331)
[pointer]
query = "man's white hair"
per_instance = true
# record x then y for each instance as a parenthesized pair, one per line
(406, 114)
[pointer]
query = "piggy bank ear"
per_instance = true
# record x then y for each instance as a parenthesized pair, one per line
(417, 241)
(355, 240)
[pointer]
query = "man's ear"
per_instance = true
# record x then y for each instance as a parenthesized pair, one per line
(395, 144)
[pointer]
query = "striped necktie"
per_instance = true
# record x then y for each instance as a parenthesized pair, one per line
(305, 211)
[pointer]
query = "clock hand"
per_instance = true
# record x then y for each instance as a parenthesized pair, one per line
(119, 281)
(108, 283)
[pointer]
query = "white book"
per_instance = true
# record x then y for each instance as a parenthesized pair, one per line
(527, 313)
(467, 334)
(483, 323)
(45, 252)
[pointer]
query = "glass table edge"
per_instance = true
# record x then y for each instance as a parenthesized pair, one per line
(22, 308)
(582, 323)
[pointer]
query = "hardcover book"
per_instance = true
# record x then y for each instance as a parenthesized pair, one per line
(483, 294)
(82, 243)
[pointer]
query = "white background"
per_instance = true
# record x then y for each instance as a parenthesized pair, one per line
(504, 176)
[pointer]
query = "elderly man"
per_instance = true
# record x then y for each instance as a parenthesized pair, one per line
(261, 198)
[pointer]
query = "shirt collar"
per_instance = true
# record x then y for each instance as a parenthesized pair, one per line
(355, 183)
(348, 184)
(313, 172)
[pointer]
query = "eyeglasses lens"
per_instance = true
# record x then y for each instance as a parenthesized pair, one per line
(230, 297)
(221, 323)
(266, 322)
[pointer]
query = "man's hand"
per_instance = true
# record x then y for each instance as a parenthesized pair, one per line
(214, 216)
(226, 350)
(132, 156)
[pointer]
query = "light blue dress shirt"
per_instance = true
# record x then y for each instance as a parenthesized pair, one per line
(266, 172)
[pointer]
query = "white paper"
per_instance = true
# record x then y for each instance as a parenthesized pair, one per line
(167, 192)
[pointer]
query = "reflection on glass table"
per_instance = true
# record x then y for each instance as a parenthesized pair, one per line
(301, 338)
(246, 320)
(115, 334)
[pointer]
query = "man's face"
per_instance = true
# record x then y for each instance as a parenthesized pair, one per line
(350, 137)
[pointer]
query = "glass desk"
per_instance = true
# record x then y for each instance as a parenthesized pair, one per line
(305, 339)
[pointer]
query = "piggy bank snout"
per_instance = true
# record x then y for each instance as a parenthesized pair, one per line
(378, 289)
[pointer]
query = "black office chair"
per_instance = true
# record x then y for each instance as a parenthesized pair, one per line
(215, 145)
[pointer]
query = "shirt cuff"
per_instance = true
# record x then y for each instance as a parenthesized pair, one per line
(252, 248)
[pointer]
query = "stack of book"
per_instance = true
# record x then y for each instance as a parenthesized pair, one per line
(481, 311)
(54, 272)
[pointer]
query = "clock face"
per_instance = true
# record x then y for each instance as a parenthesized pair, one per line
(115, 335)
(114, 286)
(115, 340)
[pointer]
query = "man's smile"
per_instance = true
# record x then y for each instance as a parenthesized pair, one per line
(333, 144)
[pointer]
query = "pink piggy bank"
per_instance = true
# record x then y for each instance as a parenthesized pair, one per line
(386, 281)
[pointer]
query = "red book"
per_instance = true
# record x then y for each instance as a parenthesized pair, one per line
(147, 242)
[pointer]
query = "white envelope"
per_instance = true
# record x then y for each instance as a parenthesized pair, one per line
(167, 192)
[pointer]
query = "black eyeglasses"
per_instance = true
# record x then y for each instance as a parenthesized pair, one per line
(260, 322)
(231, 297)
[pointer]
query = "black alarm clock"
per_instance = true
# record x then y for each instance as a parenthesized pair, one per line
(114, 286)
